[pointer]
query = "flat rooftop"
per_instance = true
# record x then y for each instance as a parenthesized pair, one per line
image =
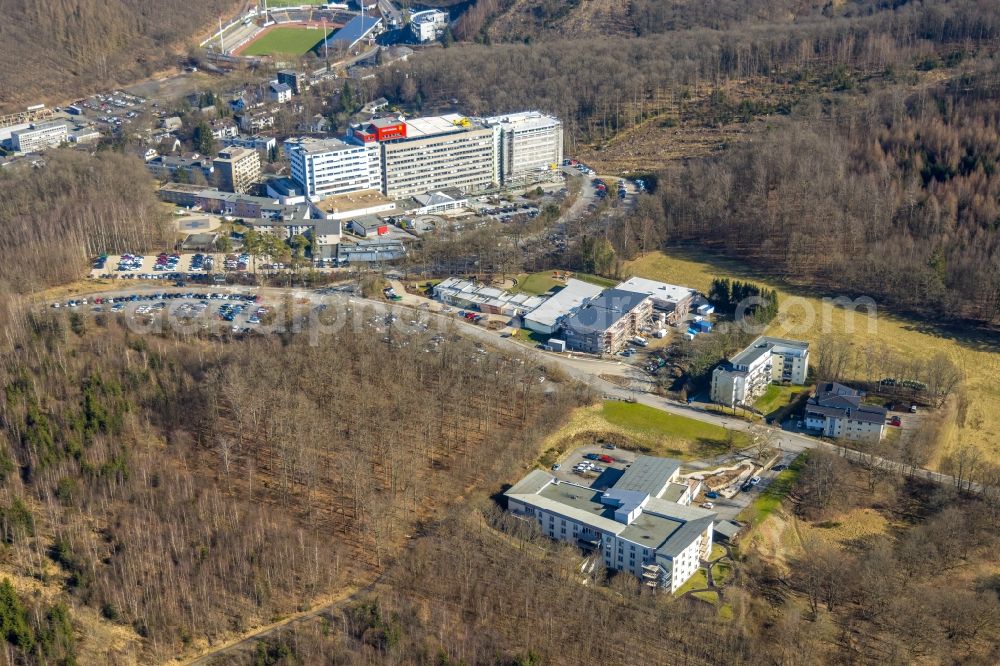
(660, 291)
(432, 125)
(564, 301)
(605, 310)
(648, 474)
(523, 121)
(650, 530)
(317, 146)
(345, 203)
(767, 345)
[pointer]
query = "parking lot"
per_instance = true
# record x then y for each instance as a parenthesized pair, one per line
(607, 472)
(236, 312)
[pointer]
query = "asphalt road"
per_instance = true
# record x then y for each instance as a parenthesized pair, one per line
(586, 370)
(581, 368)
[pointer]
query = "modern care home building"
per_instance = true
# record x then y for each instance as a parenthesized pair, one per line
(637, 525)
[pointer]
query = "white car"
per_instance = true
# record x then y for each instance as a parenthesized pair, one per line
(707, 505)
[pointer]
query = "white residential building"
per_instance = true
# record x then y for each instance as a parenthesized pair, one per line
(531, 144)
(263, 144)
(744, 377)
(428, 25)
(39, 137)
(327, 167)
(835, 410)
(279, 92)
(638, 525)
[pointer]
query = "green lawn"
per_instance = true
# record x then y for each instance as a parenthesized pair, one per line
(275, 4)
(698, 581)
(542, 282)
(771, 498)
(776, 397)
(285, 39)
(720, 572)
(658, 423)
(596, 279)
(536, 283)
(710, 597)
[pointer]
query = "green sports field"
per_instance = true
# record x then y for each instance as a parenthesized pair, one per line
(276, 4)
(285, 39)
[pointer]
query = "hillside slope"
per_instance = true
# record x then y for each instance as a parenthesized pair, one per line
(60, 48)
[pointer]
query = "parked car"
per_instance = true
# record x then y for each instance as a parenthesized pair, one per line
(556, 467)
(712, 495)
(606, 459)
(707, 505)
(592, 456)
(896, 421)
(610, 447)
(754, 481)
(913, 409)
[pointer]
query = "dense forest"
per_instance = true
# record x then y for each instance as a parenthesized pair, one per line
(56, 49)
(185, 489)
(898, 201)
(481, 587)
(54, 219)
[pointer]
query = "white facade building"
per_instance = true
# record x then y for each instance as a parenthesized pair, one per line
(439, 152)
(328, 167)
(744, 377)
(531, 144)
(428, 25)
(635, 525)
(835, 410)
(279, 92)
(39, 137)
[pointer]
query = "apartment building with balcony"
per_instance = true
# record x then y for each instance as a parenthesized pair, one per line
(633, 525)
(745, 376)
(835, 410)
(605, 323)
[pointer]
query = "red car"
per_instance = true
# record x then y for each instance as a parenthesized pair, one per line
(606, 459)
(896, 421)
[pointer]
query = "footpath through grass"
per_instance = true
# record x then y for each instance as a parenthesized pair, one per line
(772, 496)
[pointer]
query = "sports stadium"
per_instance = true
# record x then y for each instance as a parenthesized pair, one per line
(284, 30)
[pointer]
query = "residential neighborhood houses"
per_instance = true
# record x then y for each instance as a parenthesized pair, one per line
(835, 410)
